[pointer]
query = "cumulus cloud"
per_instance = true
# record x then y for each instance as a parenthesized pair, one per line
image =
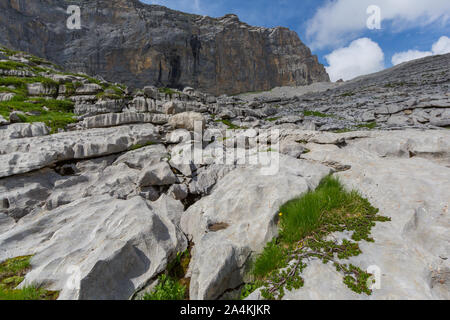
(362, 56)
(338, 21)
(409, 55)
(441, 46)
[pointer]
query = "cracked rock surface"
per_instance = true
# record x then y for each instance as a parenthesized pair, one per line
(107, 203)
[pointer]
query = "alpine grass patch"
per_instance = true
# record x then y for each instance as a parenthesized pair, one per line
(308, 113)
(173, 284)
(167, 289)
(12, 273)
(304, 224)
(59, 113)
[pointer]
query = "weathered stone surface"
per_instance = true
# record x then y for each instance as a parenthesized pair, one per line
(142, 157)
(118, 181)
(101, 106)
(412, 248)
(117, 119)
(187, 120)
(178, 136)
(6, 96)
(15, 117)
(292, 149)
(249, 214)
(23, 130)
(170, 208)
(38, 88)
(28, 154)
(20, 195)
(206, 177)
(95, 248)
(162, 46)
(172, 108)
(89, 88)
(178, 191)
(183, 156)
(159, 174)
(3, 121)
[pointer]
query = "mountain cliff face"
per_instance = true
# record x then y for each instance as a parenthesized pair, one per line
(138, 44)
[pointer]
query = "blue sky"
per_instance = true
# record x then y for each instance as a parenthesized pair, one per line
(336, 30)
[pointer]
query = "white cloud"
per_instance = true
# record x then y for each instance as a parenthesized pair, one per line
(441, 46)
(409, 55)
(362, 56)
(338, 21)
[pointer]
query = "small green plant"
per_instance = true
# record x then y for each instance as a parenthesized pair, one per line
(8, 51)
(167, 91)
(347, 94)
(273, 119)
(308, 113)
(12, 65)
(228, 123)
(370, 125)
(167, 289)
(249, 288)
(71, 87)
(273, 257)
(111, 92)
(139, 146)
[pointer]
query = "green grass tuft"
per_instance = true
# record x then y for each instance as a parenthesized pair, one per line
(12, 65)
(59, 114)
(370, 125)
(229, 124)
(167, 289)
(308, 113)
(168, 91)
(12, 273)
(273, 257)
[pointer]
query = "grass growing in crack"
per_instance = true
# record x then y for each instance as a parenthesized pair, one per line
(273, 257)
(168, 91)
(111, 92)
(21, 83)
(12, 273)
(370, 125)
(12, 65)
(140, 146)
(167, 289)
(249, 288)
(228, 123)
(173, 284)
(308, 113)
(304, 224)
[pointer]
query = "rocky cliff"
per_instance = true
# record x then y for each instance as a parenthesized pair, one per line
(138, 44)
